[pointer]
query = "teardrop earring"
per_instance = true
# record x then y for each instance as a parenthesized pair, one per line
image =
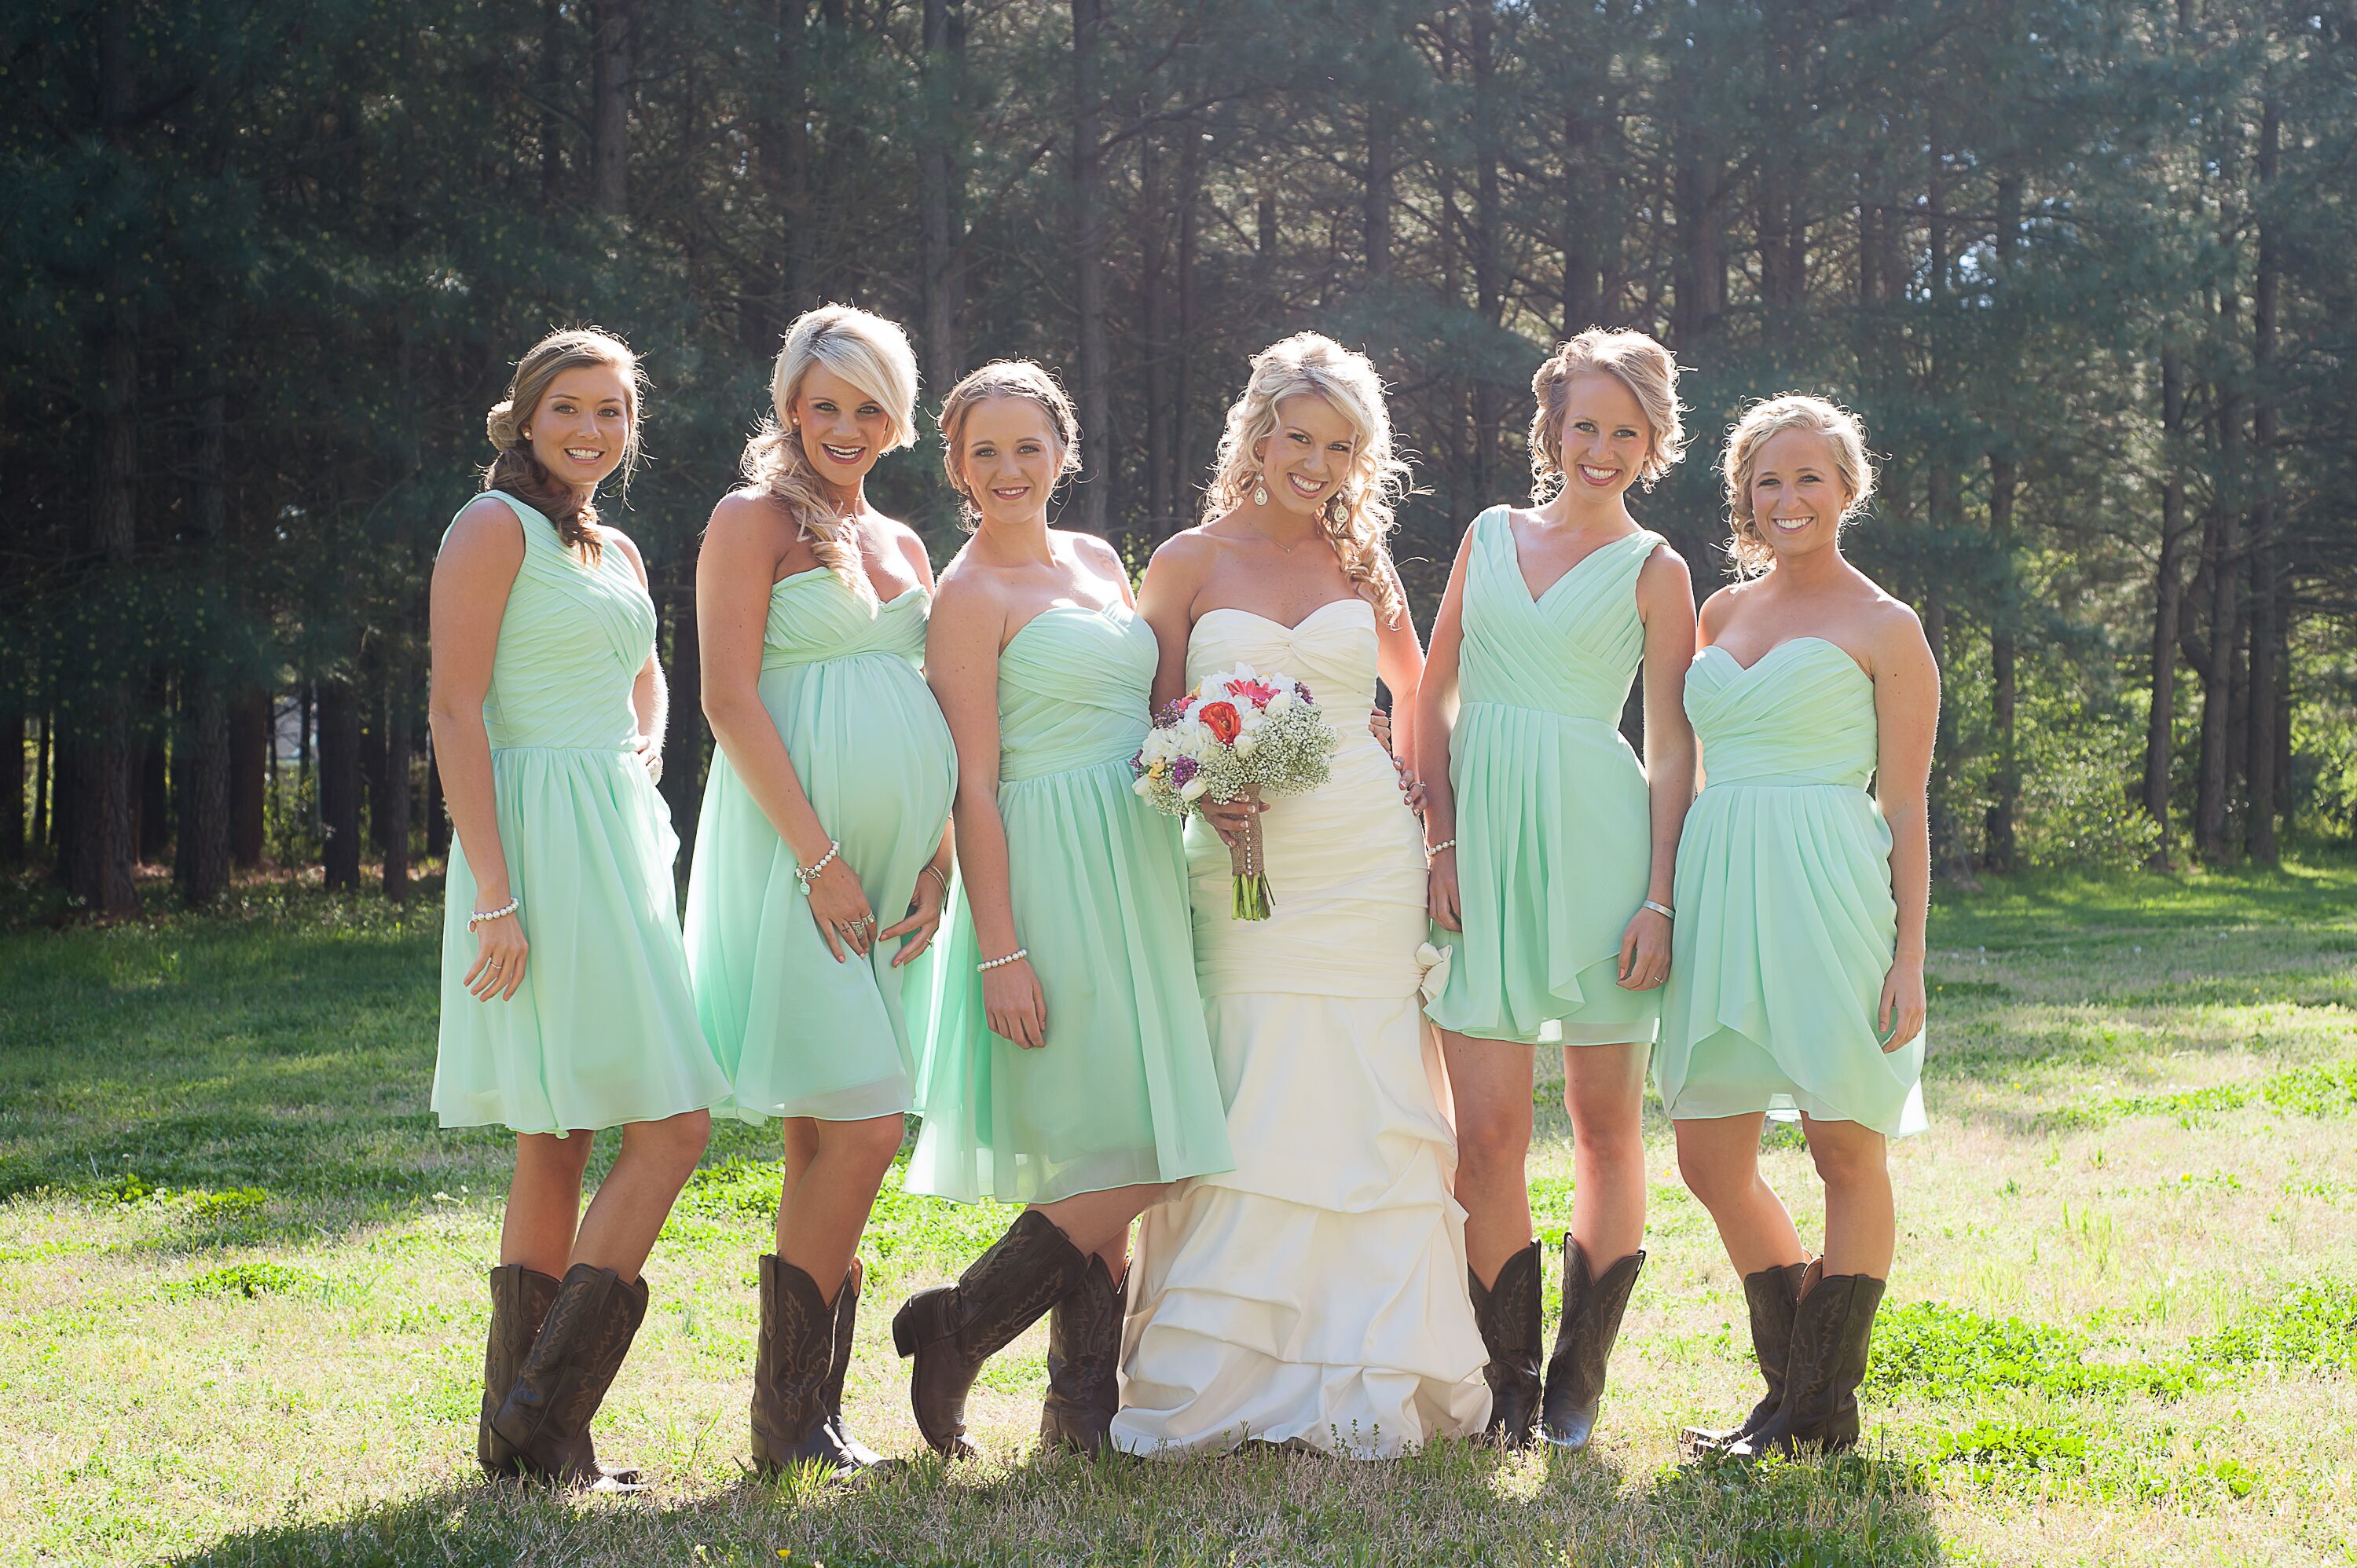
(1260, 491)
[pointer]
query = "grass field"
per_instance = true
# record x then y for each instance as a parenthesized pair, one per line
(240, 1297)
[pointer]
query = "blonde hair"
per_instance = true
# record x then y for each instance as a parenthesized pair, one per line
(1769, 416)
(873, 355)
(1005, 378)
(520, 473)
(1358, 519)
(1637, 363)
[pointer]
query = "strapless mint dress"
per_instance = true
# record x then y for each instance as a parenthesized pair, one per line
(1124, 1091)
(1786, 925)
(1555, 837)
(799, 1033)
(603, 1030)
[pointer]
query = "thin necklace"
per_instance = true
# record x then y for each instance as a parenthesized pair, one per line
(1288, 549)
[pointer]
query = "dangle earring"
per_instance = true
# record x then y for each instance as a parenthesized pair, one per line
(1260, 491)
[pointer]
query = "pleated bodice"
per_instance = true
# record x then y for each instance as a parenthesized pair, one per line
(1804, 714)
(572, 642)
(1573, 650)
(1073, 688)
(815, 616)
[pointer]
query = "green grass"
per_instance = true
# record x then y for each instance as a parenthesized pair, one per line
(241, 1292)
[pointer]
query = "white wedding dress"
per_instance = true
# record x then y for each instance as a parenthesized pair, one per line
(1315, 1294)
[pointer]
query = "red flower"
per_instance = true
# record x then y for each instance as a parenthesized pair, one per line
(1222, 720)
(1260, 691)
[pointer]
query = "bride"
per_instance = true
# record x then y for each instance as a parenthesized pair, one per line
(1315, 1295)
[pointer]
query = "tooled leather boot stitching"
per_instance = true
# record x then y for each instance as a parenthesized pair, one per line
(792, 1424)
(1084, 1362)
(951, 1330)
(1592, 1310)
(1507, 1312)
(1769, 1296)
(519, 1301)
(1832, 1331)
(846, 1329)
(546, 1415)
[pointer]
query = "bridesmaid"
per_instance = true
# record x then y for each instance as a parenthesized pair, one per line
(1068, 1068)
(1547, 616)
(548, 716)
(1796, 980)
(828, 800)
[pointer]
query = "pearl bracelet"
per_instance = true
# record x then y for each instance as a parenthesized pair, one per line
(1432, 849)
(1001, 962)
(1663, 910)
(806, 875)
(501, 913)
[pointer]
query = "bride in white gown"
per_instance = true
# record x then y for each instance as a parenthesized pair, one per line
(1315, 1294)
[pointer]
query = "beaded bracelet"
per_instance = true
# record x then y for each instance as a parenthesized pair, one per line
(1663, 910)
(1432, 849)
(501, 913)
(1000, 962)
(806, 875)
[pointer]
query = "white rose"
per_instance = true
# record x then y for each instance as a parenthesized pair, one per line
(1280, 702)
(1194, 788)
(1145, 785)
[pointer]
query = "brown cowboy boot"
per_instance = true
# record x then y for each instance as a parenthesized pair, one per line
(951, 1330)
(545, 1416)
(791, 1424)
(520, 1299)
(1507, 1312)
(1592, 1310)
(1084, 1362)
(847, 1325)
(1833, 1330)
(1771, 1294)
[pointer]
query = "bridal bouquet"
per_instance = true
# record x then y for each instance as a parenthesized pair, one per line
(1236, 736)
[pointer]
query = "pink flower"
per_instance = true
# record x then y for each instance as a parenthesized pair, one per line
(1260, 691)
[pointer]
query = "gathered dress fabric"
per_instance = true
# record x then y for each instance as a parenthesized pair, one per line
(1786, 924)
(1123, 1092)
(1315, 1295)
(1554, 825)
(603, 1030)
(799, 1033)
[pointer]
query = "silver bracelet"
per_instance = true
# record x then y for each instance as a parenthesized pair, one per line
(480, 916)
(1663, 910)
(1432, 849)
(938, 875)
(806, 875)
(1000, 962)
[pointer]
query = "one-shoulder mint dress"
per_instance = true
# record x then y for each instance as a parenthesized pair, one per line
(603, 1030)
(1125, 1091)
(1786, 925)
(799, 1033)
(1555, 836)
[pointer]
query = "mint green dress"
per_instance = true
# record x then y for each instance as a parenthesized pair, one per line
(1786, 925)
(1555, 837)
(603, 1030)
(1125, 1091)
(799, 1033)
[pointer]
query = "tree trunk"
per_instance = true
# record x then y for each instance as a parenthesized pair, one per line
(938, 197)
(2266, 699)
(339, 783)
(610, 107)
(1488, 266)
(1154, 292)
(1579, 265)
(152, 829)
(2159, 746)
(44, 792)
(1182, 396)
(103, 816)
(1375, 217)
(552, 86)
(2221, 552)
(12, 773)
(2000, 847)
(392, 806)
(202, 867)
(252, 757)
(1087, 260)
(682, 779)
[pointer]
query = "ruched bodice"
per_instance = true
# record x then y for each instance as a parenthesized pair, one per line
(1073, 687)
(1804, 714)
(1571, 651)
(815, 616)
(572, 642)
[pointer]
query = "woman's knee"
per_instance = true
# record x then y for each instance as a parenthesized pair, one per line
(1847, 1155)
(1718, 1176)
(554, 1155)
(1491, 1136)
(871, 1145)
(676, 1141)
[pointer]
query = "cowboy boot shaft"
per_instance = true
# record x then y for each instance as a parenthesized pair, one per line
(581, 1347)
(1507, 1312)
(846, 1333)
(792, 1422)
(1593, 1307)
(519, 1303)
(1833, 1330)
(1769, 1296)
(951, 1331)
(1084, 1361)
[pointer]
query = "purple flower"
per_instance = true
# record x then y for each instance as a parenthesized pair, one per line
(1172, 712)
(1183, 771)
(1137, 763)
(1302, 691)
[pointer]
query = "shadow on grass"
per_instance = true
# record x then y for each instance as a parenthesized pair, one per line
(1451, 1504)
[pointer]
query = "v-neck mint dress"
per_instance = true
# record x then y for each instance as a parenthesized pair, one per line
(1786, 924)
(798, 1032)
(1125, 1091)
(603, 1030)
(1555, 838)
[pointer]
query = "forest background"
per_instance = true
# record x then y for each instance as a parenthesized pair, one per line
(2083, 266)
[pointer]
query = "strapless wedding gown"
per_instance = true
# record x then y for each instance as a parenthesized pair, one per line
(1315, 1294)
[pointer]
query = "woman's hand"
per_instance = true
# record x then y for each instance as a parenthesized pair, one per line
(839, 905)
(923, 920)
(500, 954)
(1898, 1016)
(1229, 818)
(1446, 909)
(1645, 950)
(650, 756)
(1379, 725)
(1015, 1005)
